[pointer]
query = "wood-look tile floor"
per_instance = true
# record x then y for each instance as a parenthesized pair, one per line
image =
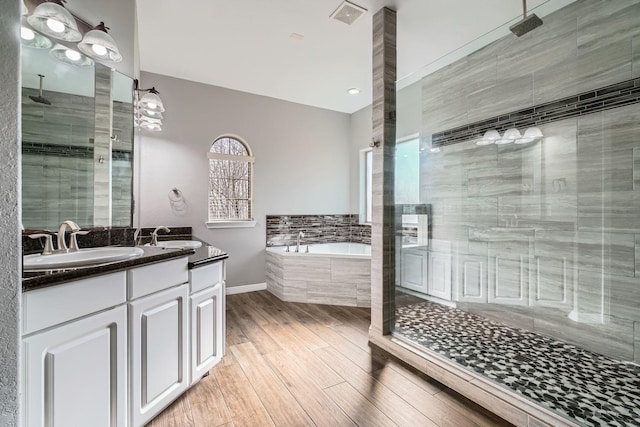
(290, 364)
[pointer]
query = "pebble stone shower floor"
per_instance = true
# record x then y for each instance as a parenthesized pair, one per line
(591, 389)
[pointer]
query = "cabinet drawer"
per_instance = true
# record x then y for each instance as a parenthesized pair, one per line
(156, 277)
(206, 276)
(58, 304)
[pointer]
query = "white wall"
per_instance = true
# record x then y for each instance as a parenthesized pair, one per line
(10, 282)
(303, 161)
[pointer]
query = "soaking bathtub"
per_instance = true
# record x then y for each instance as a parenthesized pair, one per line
(330, 273)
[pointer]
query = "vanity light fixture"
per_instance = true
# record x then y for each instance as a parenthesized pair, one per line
(52, 19)
(510, 135)
(530, 134)
(70, 56)
(98, 44)
(490, 137)
(149, 108)
(353, 91)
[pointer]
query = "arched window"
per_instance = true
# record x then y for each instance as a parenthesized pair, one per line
(230, 182)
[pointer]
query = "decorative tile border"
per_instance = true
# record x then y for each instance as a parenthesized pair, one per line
(69, 151)
(588, 388)
(284, 229)
(604, 98)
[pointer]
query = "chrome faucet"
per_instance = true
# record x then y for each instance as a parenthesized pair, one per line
(154, 235)
(62, 244)
(300, 236)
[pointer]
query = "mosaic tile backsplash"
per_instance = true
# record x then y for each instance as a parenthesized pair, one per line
(590, 389)
(284, 229)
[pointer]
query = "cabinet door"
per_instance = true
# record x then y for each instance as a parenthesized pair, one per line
(414, 263)
(75, 374)
(440, 275)
(207, 320)
(159, 352)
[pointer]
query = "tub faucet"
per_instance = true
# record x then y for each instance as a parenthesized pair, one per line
(154, 235)
(300, 236)
(62, 244)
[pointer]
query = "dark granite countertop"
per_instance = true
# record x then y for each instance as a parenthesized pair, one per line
(206, 254)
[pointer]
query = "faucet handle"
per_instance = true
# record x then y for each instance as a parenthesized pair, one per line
(73, 246)
(48, 243)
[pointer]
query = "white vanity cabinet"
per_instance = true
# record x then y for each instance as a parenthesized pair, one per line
(158, 337)
(207, 318)
(75, 362)
(116, 349)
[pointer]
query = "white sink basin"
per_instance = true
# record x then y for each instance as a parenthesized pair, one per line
(82, 258)
(179, 244)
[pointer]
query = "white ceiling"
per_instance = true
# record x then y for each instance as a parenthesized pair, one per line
(246, 45)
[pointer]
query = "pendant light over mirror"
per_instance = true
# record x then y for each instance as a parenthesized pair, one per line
(98, 44)
(53, 20)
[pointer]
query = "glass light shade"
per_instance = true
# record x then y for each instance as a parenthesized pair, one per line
(490, 137)
(98, 44)
(530, 135)
(512, 134)
(151, 102)
(150, 114)
(141, 119)
(70, 56)
(33, 39)
(154, 127)
(25, 11)
(55, 21)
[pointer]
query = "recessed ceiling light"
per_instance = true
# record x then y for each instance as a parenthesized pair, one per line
(353, 91)
(296, 36)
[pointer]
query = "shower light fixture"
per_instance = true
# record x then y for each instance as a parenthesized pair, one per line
(530, 134)
(52, 19)
(98, 44)
(70, 56)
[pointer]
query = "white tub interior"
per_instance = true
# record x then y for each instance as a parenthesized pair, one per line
(345, 249)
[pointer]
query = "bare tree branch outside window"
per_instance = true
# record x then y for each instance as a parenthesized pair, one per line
(230, 168)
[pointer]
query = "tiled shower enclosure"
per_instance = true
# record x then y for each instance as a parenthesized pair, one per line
(540, 235)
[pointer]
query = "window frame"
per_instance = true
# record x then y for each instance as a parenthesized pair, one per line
(250, 160)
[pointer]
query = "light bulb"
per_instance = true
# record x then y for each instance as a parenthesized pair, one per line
(152, 105)
(55, 25)
(353, 91)
(72, 55)
(27, 34)
(99, 49)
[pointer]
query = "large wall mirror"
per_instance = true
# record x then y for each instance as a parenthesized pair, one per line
(77, 143)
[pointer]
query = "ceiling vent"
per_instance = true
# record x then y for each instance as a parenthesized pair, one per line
(348, 12)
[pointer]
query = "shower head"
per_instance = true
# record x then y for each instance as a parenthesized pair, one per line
(528, 23)
(40, 99)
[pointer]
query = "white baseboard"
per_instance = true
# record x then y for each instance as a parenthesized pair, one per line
(246, 288)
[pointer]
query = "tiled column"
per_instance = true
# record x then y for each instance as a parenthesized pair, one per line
(102, 148)
(384, 135)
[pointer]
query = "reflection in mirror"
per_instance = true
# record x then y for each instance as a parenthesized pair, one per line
(77, 161)
(122, 150)
(57, 139)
